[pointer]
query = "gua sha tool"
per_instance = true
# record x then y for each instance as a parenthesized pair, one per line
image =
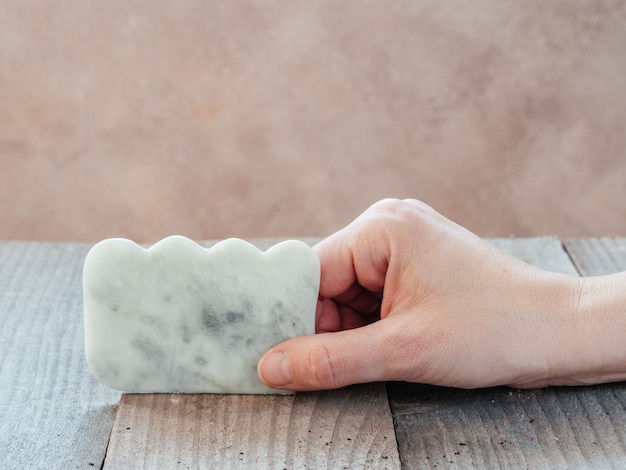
(178, 317)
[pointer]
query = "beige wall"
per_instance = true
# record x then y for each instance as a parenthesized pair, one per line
(261, 118)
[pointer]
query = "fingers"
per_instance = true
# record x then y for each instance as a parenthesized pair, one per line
(357, 255)
(333, 317)
(359, 299)
(330, 360)
(362, 252)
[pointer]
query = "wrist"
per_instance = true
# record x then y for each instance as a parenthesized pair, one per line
(598, 340)
(551, 334)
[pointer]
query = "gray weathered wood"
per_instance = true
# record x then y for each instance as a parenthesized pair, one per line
(348, 428)
(53, 414)
(504, 428)
(597, 256)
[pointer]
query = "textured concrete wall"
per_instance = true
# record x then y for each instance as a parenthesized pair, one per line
(289, 117)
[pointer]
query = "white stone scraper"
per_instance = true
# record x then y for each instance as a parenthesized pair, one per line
(178, 317)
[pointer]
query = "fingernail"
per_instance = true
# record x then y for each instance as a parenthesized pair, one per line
(275, 370)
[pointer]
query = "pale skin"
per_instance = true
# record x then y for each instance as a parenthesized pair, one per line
(408, 295)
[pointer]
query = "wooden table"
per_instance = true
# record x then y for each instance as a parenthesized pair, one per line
(53, 414)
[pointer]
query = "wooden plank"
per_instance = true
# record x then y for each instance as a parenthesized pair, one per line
(597, 256)
(347, 428)
(556, 427)
(566, 427)
(53, 414)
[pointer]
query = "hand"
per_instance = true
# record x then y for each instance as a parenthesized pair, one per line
(408, 295)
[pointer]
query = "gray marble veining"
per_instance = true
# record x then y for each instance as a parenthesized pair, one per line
(178, 317)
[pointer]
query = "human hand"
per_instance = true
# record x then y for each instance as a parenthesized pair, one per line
(408, 295)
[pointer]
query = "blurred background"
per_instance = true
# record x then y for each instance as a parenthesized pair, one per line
(213, 119)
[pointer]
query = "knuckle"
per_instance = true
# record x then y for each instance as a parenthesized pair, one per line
(389, 205)
(406, 209)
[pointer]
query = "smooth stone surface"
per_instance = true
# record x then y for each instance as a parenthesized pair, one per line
(178, 317)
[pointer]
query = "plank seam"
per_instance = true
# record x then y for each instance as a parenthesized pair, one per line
(106, 449)
(572, 258)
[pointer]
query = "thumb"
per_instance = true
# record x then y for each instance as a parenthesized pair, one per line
(327, 360)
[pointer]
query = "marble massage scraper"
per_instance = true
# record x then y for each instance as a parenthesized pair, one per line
(177, 317)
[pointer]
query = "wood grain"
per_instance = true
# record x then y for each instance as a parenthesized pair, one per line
(597, 256)
(53, 414)
(504, 428)
(347, 428)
